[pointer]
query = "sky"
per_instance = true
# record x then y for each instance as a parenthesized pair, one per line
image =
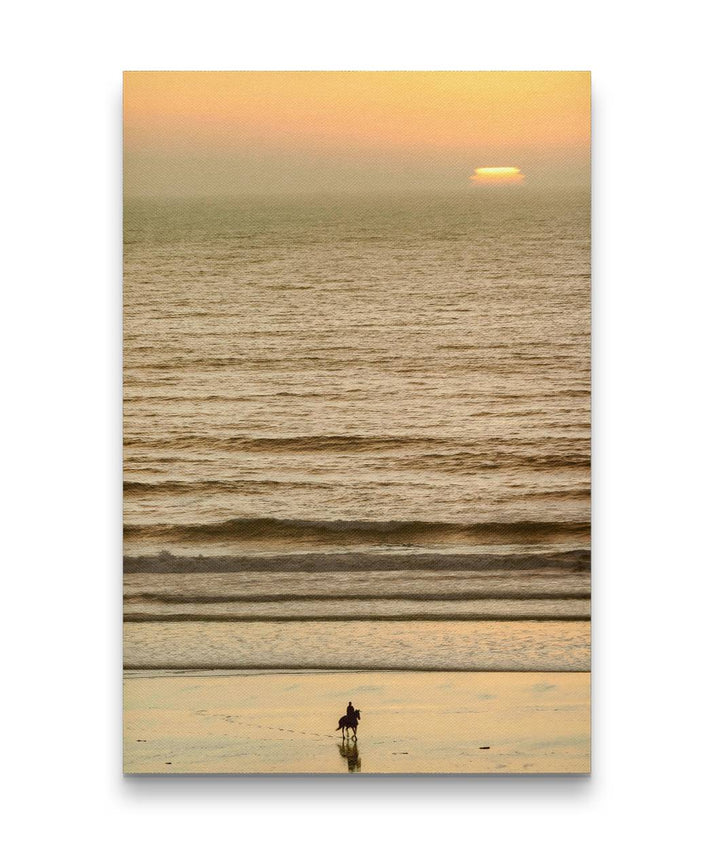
(228, 133)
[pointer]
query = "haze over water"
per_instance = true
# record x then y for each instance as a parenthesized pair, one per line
(370, 414)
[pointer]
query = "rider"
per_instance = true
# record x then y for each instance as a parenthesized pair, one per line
(350, 709)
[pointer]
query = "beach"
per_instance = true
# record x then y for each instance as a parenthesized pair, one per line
(411, 722)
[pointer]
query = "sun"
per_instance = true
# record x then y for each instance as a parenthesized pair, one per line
(497, 175)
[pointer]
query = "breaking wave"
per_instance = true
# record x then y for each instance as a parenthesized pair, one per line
(396, 532)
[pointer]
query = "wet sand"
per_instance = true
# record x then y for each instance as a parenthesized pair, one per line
(411, 722)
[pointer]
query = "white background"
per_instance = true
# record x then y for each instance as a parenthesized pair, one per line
(655, 435)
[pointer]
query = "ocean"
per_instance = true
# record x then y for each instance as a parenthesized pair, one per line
(357, 432)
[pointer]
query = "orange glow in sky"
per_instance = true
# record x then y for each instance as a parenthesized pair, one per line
(234, 132)
(497, 175)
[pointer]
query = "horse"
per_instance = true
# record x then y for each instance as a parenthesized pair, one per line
(348, 722)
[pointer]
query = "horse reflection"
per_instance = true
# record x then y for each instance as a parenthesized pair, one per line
(349, 751)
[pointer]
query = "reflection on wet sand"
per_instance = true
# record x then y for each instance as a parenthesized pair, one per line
(350, 751)
(536, 722)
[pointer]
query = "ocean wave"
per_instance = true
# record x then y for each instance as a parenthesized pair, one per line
(408, 452)
(472, 461)
(303, 443)
(147, 488)
(242, 529)
(165, 562)
(423, 597)
(174, 618)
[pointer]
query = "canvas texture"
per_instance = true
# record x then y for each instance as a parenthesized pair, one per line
(357, 422)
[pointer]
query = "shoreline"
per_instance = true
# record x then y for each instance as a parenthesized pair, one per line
(283, 722)
(248, 671)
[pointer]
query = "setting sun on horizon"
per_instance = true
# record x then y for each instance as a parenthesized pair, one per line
(497, 175)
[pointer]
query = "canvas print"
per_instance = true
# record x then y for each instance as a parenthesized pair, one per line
(356, 422)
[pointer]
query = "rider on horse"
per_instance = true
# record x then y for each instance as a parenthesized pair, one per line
(349, 722)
